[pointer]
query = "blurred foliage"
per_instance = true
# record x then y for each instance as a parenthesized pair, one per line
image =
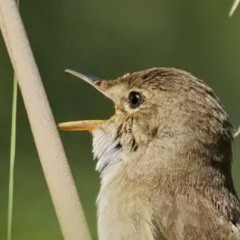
(106, 38)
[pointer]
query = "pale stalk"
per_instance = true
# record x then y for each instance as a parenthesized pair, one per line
(53, 160)
(234, 7)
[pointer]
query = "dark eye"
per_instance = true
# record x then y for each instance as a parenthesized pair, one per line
(134, 99)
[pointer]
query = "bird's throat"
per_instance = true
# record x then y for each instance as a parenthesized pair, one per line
(106, 148)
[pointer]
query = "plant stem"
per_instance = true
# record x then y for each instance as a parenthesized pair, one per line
(234, 7)
(12, 159)
(51, 154)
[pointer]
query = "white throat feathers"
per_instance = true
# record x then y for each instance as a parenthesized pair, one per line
(107, 149)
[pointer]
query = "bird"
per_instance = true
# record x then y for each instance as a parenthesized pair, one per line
(164, 159)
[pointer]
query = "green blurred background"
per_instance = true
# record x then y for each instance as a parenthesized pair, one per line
(106, 38)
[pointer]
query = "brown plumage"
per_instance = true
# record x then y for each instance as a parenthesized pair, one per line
(165, 160)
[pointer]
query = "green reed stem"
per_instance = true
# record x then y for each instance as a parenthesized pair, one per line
(12, 159)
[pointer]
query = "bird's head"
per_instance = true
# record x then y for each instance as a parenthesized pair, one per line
(159, 112)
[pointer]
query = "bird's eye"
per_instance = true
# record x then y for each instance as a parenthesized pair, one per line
(134, 99)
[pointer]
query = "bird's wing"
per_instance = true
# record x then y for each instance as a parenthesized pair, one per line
(158, 235)
(191, 217)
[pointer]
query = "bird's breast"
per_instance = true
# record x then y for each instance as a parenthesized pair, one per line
(124, 212)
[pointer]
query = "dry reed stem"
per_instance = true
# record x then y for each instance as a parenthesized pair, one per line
(234, 7)
(49, 146)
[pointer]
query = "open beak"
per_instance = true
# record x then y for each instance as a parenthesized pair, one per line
(86, 125)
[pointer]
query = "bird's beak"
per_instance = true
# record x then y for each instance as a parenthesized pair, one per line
(86, 125)
(93, 81)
